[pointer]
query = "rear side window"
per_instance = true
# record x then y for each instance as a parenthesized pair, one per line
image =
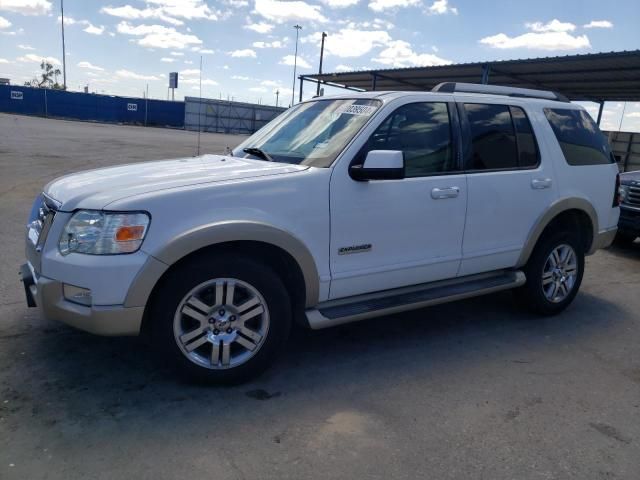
(501, 138)
(527, 146)
(493, 139)
(581, 140)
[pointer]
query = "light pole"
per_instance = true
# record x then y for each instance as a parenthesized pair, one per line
(324, 35)
(277, 95)
(64, 58)
(295, 64)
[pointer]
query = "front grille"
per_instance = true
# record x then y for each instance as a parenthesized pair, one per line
(633, 196)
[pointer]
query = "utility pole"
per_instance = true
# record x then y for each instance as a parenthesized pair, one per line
(324, 35)
(277, 95)
(295, 64)
(64, 57)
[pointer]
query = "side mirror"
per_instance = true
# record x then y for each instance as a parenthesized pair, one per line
(379, 165)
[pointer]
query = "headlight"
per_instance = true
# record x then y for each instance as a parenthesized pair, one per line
(623, 191)
(102, 233)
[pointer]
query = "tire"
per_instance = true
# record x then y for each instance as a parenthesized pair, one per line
(624, 238)
(542, 277)
(251, 343)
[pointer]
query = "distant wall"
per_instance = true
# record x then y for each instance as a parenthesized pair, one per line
(92, 107)
(626, 149)
(222, 116)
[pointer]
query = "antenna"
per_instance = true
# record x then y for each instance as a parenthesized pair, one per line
(199, 108)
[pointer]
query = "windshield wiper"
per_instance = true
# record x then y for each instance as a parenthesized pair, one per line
(258, 152)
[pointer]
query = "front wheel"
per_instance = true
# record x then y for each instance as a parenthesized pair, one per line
(221, 319)
(554, 274)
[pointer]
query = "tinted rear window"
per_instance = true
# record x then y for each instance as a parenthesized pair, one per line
(581, 140)
(492, 136)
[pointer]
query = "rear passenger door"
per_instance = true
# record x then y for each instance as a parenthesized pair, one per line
(509, 186)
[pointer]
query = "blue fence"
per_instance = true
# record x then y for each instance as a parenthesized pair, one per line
(92, 107)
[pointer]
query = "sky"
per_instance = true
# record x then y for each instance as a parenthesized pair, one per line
(247, 47)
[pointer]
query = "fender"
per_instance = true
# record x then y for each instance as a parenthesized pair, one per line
(556, 208)
(221, 232)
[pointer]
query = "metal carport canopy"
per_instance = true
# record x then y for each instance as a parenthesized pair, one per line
(596, 77)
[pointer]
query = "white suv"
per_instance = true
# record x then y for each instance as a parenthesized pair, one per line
(341, 209)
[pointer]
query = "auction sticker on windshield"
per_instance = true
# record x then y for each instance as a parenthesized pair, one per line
(365, 110)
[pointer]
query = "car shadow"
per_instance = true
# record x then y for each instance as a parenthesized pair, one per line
(65, 377)
(629, 251)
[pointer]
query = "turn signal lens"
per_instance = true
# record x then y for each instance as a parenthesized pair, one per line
(130, 233)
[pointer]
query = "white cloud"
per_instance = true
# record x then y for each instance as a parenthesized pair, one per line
(441, 7)
(599, 24)
(538, 41)
(380, 5)
(89, 66)
(259, 89)
(274, 44)
(158, 36)
(187, 9)
(25, 47)
(4, 23)
(289, 59)
(270, 83)
(33, 58)
(400, 54)
(132, 13)
(93, 30)
(134, 76)
(260, 27)
(344, 68)
(26, 7)
(177, 54)
(206, 51)
(280, 12)
(240, 77)
(350, 42)
(554, 25)
(340, 3)
(4, 60)
(189, 72)
(244, 53)
(196, 81)
(170, 11)
(167, 59)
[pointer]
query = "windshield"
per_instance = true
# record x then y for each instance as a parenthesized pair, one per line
(312, 133)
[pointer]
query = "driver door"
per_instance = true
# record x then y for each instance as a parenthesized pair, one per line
(392, 233)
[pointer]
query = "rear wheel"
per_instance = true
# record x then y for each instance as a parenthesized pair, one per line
(554, 274)
(221, 319)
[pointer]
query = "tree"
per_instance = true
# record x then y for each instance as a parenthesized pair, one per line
(48, 78)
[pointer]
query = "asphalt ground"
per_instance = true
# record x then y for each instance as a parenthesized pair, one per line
(478, 389)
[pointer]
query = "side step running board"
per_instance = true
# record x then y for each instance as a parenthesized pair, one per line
(336, 312)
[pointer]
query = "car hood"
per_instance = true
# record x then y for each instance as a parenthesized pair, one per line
(97, 188)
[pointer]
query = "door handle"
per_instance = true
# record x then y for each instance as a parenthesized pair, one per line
(448, 192)
(540, 183)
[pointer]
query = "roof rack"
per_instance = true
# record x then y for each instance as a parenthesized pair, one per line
(457, 87)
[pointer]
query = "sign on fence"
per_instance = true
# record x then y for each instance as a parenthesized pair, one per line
(16, 95)
(132, 107)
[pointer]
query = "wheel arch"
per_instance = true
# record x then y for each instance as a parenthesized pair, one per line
(253, 237)
(565, 210)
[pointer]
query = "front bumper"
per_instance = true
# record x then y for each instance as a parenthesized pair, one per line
(629, 220)
(112, 320)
